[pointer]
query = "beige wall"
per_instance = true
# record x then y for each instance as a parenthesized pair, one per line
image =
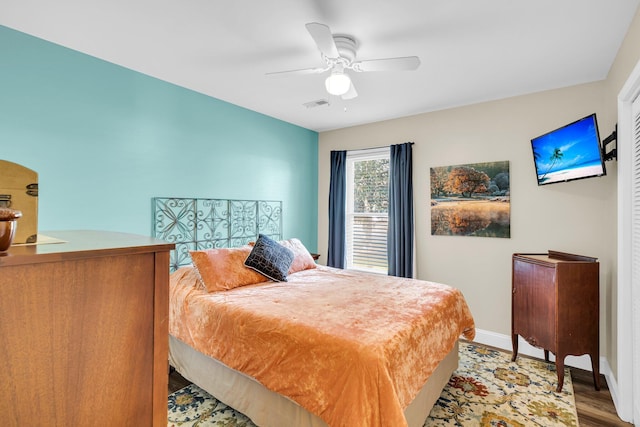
(572, 217)
(626, 59)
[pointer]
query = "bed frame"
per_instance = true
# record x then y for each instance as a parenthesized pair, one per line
(196, 223)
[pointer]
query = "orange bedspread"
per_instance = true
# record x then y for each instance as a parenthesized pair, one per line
(352, 348)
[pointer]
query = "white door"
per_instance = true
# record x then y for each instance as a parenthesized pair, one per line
(627, 397)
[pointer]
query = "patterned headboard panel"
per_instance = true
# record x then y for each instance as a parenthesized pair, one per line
(194, 224)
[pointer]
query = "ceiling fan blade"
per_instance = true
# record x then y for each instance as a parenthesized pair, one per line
(351, 93)
(300, 72)
(321, 34)
(406, 63)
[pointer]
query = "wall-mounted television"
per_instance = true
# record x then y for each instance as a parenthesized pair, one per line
(570, 152)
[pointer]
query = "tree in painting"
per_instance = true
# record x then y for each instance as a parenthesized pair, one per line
(439, 177)
(467, 181)
(502, 181)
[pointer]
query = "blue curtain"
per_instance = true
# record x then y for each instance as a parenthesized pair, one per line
(337, 201)
(400, 232)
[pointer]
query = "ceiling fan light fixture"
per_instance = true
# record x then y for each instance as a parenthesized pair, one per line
(337, 83)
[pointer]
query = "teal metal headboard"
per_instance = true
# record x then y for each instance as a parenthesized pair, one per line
(195, 223)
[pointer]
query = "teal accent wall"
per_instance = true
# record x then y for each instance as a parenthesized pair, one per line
(105, 140)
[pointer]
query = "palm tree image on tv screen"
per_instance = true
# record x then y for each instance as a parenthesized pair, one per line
(555, 156)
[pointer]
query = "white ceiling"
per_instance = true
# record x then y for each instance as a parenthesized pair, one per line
(470, 50)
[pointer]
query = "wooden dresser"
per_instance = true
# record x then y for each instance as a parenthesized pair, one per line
(555, 306)
(84, 331)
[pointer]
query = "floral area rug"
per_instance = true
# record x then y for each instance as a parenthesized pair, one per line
(191, 406)
(487, 389)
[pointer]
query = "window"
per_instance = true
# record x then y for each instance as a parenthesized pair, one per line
(367, 210)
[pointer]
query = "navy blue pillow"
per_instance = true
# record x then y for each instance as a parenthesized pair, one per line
(270, 258)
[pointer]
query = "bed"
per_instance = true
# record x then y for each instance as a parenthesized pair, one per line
(326, 347)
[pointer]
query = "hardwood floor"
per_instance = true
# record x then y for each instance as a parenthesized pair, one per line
(595, 408)
(176, 381)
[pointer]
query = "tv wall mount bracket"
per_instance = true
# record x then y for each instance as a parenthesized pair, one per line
(612, 154)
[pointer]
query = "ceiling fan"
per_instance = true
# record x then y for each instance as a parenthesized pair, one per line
(338, 51)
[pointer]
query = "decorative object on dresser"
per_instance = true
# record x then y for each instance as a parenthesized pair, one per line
(201, 223)
(555, 306)
(19, 190)
(8, 224)
(84, 331)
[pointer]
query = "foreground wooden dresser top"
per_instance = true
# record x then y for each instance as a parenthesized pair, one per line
(82, 244)
(83, 331)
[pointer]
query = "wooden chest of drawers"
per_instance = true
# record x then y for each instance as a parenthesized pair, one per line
(555, 306)
(84, 331)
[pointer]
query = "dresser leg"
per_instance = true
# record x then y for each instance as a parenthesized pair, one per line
(546, 356)
(560, 372)
(514, 343)
(595, 368)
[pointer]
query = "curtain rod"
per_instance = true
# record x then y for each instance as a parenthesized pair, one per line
(375, 148)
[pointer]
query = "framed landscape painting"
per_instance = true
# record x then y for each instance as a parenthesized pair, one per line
(471, 200)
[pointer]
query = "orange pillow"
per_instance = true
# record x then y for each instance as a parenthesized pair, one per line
(303, 259)
(223, 269)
